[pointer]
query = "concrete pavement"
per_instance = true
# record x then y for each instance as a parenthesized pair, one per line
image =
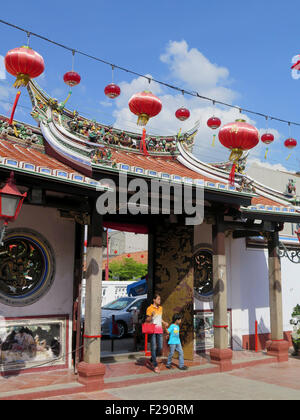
(276, 381)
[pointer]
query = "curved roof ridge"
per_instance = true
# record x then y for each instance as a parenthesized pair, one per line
(192, 162)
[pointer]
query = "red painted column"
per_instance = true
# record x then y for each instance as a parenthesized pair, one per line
(220, 354)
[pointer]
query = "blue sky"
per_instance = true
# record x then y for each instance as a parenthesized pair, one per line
(233, 51)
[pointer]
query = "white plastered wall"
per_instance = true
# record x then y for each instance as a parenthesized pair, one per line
(248, 286)
(60, 233)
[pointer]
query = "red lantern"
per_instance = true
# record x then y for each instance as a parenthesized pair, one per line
(267, 138)
(112, 90)
(72, 78)
(128, 255)
(238, 137)
(213, 123)
(145, 105)
(290, 144)
(182, 114)
(24, 63)
(115, 251)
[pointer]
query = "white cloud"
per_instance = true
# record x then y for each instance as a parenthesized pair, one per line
(196, 72)
(105, 104)
(193, 71)
(275, 166)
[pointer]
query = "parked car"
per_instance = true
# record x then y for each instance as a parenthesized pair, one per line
(123, 309)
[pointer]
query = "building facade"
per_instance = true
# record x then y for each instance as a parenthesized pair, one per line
(230, 261)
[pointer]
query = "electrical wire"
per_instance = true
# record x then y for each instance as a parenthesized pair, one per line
(183, 91)
(150, 79)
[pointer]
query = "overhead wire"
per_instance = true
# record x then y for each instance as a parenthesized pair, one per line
(149, 79)
(135, 73)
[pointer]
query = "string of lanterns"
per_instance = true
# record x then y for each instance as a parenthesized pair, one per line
(26, 64)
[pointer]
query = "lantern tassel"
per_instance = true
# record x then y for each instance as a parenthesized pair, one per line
(214, 140)
(267, 149)
(14, 107)
(289, 156)
(142, 119)
(232, 174)
(22, 80)
(143, 147)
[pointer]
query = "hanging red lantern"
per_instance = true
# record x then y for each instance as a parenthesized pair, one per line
(214, 123)
(182, 114)
(238, 137)
(71, 78)
(267, 138)
(290, 143)
(145, 105)
(115, 251)
(24, 63)
(112, 90)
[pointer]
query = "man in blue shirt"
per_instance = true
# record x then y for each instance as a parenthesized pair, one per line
(174, 342)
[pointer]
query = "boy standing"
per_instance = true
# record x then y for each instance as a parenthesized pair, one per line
(174, 342)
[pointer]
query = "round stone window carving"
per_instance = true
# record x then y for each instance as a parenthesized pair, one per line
(27, 267)
(203, 280)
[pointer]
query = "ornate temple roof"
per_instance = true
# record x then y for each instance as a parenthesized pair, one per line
(71, 148)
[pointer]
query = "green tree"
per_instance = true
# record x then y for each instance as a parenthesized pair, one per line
(127, 269)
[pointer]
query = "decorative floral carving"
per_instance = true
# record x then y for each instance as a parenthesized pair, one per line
(26, 267)
(203, 280)
(21, 267)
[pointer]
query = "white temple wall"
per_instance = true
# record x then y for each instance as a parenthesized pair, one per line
(248, 287)
(60, 233)
(249, 299)
(249, 284)
(56, 305)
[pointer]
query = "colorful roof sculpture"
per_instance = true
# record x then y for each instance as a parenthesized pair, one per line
(75, 149)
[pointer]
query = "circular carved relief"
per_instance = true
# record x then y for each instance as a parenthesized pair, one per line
(27, 267)
(203, 280)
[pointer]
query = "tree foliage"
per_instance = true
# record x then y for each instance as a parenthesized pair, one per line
(127, 269)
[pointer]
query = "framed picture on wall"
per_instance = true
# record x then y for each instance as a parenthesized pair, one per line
(204, 330)
(32, 343)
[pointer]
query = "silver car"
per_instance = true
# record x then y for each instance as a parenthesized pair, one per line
(123, 310)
